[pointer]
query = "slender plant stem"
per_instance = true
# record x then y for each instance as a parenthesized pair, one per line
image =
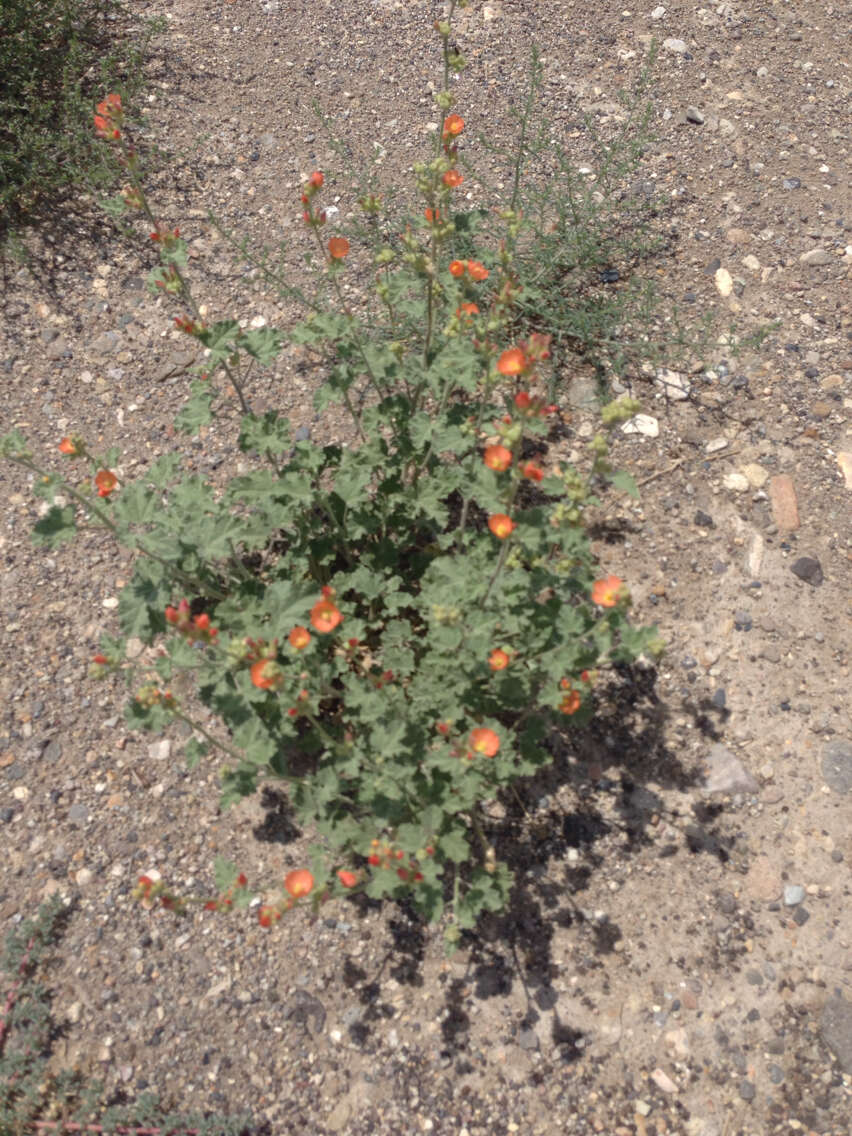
(186, 291)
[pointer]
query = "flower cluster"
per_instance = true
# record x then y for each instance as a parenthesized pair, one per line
(196, 628)
(109, 118)
(225, 900)
(298, 884)
(473, 268)
(383, 855)
(150, 888)
(151, 695)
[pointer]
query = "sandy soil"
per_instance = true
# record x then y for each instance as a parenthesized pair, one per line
(677, 957)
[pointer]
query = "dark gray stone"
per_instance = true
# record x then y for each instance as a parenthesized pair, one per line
(747, 1090)
(809, 569)
(78, 813)
(53, 750)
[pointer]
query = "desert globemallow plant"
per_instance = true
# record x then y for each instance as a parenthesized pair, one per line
(395, 627)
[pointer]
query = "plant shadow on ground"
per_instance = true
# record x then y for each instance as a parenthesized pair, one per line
(600, 787)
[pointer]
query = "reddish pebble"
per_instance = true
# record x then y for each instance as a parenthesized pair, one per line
(785, 509)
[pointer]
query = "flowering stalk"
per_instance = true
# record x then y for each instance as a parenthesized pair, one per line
(135, 198)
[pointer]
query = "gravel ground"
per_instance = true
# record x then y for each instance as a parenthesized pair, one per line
(677, 957)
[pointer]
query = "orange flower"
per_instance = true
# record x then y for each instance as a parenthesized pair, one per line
(477, 271)
(348, 879)
(497, 458)
(453, 125)
(607, 592)
(299, 883)
(533, 471)
(512, 362)
(111, 106)
(570, 704)
(299, 638)
(433, 216)
(498, 660)
(501, 525)
(338, 247)
(325, 616)
(106, 482)
(316, 179)
(70, 447)
(267, 915)
(523, 400)
(457, 268)
(266, 674)
(452, 178)
(467, 309)
(484, 741)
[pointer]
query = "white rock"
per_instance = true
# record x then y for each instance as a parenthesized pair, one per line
(844, 460)
(658, 12)
(110, 602)
(736, 482)
(663, 1081)
(754, 557)
(642, 424)
(674, 385)
(724, 283)
(675, 45)
(751, 263)
(756, 474)
(715, 444)
(160, 751)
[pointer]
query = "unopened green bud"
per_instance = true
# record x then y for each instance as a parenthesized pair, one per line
(619, 411)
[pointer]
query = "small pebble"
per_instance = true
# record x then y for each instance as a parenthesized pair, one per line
(793, 895)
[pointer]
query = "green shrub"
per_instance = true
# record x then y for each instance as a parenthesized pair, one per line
(395, 628)
(55, 57)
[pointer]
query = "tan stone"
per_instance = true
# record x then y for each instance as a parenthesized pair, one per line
(738, 236)
(763, 881)
(785, 507)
